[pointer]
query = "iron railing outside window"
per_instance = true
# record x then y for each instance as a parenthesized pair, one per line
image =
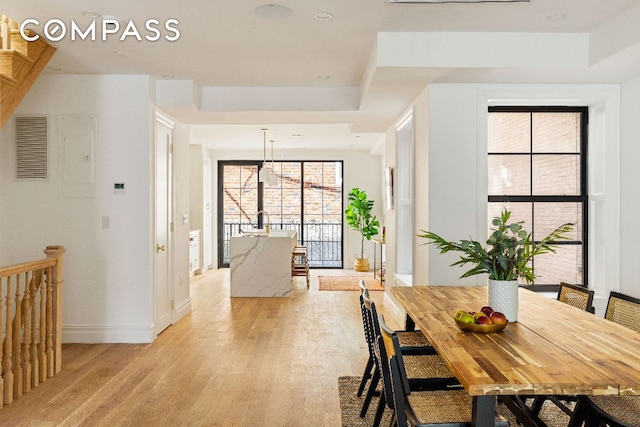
(323, 240)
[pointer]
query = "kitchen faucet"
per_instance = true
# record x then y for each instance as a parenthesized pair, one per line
(267, 226)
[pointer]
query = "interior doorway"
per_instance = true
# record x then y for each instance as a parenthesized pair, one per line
(163, 248)
(405, 232)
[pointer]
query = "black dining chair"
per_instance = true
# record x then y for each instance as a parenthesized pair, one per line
(429, 407)
(424, 371)
(612, 411)
(412, 342)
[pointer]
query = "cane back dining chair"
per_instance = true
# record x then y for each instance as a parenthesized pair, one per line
(612, 411)
(576, 296)
(424, 371)
(439, 406)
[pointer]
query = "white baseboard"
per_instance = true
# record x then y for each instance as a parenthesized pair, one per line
(128, 334)
(395, 309)
(182, 310)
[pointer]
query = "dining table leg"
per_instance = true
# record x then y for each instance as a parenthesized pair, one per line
(484, 411)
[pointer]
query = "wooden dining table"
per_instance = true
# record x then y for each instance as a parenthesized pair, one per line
(553, 349)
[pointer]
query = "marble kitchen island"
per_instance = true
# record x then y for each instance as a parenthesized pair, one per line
(260, 264)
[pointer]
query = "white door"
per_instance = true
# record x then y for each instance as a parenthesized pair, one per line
(162, 249)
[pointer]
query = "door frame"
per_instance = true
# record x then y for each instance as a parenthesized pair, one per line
(160, 119)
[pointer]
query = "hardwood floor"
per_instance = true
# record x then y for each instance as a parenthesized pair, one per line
(231, 362)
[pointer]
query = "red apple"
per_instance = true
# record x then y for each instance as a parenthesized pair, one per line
(487, 310)
(483, 320)
(498, 318)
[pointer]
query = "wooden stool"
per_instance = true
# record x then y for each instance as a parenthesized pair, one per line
(300, 263)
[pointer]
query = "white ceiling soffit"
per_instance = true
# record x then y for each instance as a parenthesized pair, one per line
(235, 70)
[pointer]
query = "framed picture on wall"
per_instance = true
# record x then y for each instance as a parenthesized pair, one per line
(388, 187)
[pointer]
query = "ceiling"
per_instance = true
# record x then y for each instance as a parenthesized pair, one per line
(319, 83)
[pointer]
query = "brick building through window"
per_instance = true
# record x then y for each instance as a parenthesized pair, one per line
(307, 198)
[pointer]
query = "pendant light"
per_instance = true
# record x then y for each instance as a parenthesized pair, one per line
(273, 179)
(264, 175)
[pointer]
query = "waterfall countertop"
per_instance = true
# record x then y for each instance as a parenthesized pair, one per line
(260, 263)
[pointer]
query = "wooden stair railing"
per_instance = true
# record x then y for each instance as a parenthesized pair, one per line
(21, 62)
(31, 320)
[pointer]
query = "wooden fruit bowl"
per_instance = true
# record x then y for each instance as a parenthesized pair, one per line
(483, 329)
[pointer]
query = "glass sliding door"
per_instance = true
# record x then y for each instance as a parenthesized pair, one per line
(238, 196)
(307, 198)
(283, 201)
(322, 213)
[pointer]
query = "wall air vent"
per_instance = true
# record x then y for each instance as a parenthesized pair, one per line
(458, 1)
(31, 147)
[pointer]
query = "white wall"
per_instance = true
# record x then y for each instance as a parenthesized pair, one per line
(181, 196)
(630, 195)
(360, 169)
(456, 161)
(108, 289)
(196, 183)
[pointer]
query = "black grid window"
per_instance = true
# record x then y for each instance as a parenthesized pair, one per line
(537, 168)
(306, 196)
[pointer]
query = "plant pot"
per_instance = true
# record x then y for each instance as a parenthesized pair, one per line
(503, 297)
(361, 264)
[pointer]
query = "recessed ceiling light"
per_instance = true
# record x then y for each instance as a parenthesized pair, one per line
(90, 14)
(323, 16)
(556, 16)
(111, 21)
(54, 68)
(118, 53)
(272, 11)
(324, 77)
(168, 76)
(296, 135)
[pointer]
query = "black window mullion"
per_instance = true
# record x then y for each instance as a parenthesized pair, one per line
(581, 198)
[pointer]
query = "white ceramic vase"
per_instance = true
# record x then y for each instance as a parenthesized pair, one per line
(503, 297)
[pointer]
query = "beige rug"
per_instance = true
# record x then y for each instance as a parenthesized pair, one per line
(350, 406)
(348, 283)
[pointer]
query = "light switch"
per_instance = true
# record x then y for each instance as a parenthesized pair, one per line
(119, 188)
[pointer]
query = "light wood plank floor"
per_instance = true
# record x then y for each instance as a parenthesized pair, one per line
(231, 362)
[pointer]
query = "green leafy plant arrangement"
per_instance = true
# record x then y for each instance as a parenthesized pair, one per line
(508, 253)
(358, 216)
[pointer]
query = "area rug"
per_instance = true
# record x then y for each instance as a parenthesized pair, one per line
(350, 405)
(348, 283)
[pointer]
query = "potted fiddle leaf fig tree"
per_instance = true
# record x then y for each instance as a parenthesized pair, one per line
(358, 216)
(506, 257)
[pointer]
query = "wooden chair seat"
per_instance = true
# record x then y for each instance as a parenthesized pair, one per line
(412, 339)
